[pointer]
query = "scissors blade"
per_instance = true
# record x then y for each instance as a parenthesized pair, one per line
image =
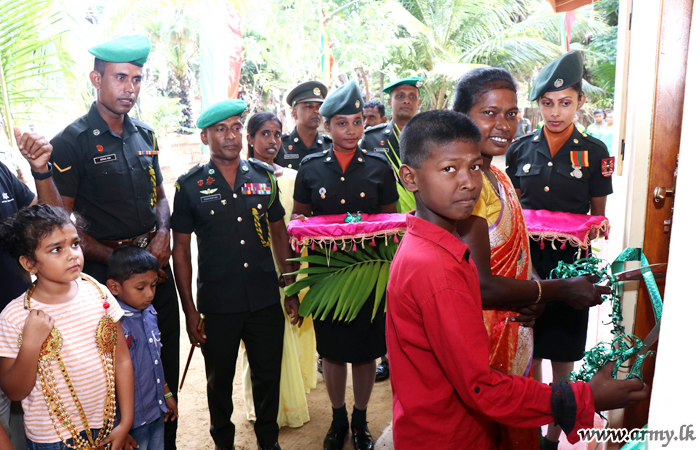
(651, 338)
(658, 270)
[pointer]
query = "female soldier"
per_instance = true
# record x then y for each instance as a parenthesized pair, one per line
(559, 168)
(497, 238)
(337, 181)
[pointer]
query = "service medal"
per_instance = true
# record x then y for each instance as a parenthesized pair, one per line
(577, 172)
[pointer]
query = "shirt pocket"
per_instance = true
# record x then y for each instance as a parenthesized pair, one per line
(531, 171)
(216, 217)
(366, 195)
(567, 170)
(107, 181)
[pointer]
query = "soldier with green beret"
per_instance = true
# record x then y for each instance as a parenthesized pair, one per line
(346, 179)
(233, 206)
(404, 101)
(305, 101)
(559, 168)
(106, 167)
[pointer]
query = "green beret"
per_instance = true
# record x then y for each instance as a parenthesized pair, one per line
(347, 99)
(310, 91)
(220, 111)
(133, 49)
(560, 74)
(410, 81)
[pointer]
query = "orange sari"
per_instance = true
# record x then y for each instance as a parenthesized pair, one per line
(510, 344)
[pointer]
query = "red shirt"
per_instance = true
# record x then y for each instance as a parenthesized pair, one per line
(445, 394)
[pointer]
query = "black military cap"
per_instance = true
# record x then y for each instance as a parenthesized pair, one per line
(558, 75)
(309, 91)
(347, 99)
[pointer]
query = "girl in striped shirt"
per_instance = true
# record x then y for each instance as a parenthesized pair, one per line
(62, 348)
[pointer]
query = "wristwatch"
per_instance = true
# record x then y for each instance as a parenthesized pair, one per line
(43, 175)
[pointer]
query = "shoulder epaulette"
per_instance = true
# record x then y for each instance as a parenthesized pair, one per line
(378, 155)
(138, 123)
(327, 138)
(380, 126)
(75, 129)
(312, 156)
(285, 134)
(261, 165)
(595, 141)
(189, 173)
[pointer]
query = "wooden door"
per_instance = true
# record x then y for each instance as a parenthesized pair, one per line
(666, 136)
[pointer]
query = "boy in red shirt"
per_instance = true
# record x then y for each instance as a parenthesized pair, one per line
(445, 394)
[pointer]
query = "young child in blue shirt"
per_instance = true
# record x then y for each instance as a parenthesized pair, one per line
(132, 279)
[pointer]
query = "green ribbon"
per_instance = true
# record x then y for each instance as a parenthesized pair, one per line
(623, 346)
(353, 218)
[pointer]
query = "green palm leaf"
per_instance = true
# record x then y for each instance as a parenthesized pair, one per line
(344, 281)
(382, 281)
(350, 291)
(369, 282)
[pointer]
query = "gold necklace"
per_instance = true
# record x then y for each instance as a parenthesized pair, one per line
(106, 338)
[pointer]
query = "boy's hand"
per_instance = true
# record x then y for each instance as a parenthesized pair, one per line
(582, 293)
(528, 314)
(609, 394)
(36, 328)
(171, 404)
(120, 439)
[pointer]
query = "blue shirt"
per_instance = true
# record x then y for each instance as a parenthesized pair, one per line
(143, 339)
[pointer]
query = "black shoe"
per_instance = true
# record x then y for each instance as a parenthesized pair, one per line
(275, 446)
(319, 365)
(382, 371)
(335, 438)
(362, 438)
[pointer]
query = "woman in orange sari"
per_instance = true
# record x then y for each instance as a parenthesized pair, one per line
(499, 245)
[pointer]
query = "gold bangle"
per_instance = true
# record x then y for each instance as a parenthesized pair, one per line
(539, 291)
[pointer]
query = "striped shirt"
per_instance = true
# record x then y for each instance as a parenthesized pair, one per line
(77, 321)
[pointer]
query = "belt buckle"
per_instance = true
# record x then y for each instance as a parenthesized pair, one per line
(142, 241)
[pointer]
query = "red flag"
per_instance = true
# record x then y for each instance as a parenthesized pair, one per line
(236, 49)
(569, 20)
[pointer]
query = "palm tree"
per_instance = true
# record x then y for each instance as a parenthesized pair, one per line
(35, 67)
(517, 35)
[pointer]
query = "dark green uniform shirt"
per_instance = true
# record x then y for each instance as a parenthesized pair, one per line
(383, 138)
(109, 176)
(550, 183)
(293, 149)
(367, 184)
(236, 271)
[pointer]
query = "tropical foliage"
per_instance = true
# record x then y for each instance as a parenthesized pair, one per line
(342, 281)
(289, 41)
(35, 67)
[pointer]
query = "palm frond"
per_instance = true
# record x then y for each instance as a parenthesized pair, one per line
(341, 282)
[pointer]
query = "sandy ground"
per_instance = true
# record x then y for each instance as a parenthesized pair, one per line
(193, 430)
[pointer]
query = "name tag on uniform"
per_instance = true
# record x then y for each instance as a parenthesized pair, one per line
(210, 198)
(291, 156)
(105, 158)
(256, 189)
(381, 149)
